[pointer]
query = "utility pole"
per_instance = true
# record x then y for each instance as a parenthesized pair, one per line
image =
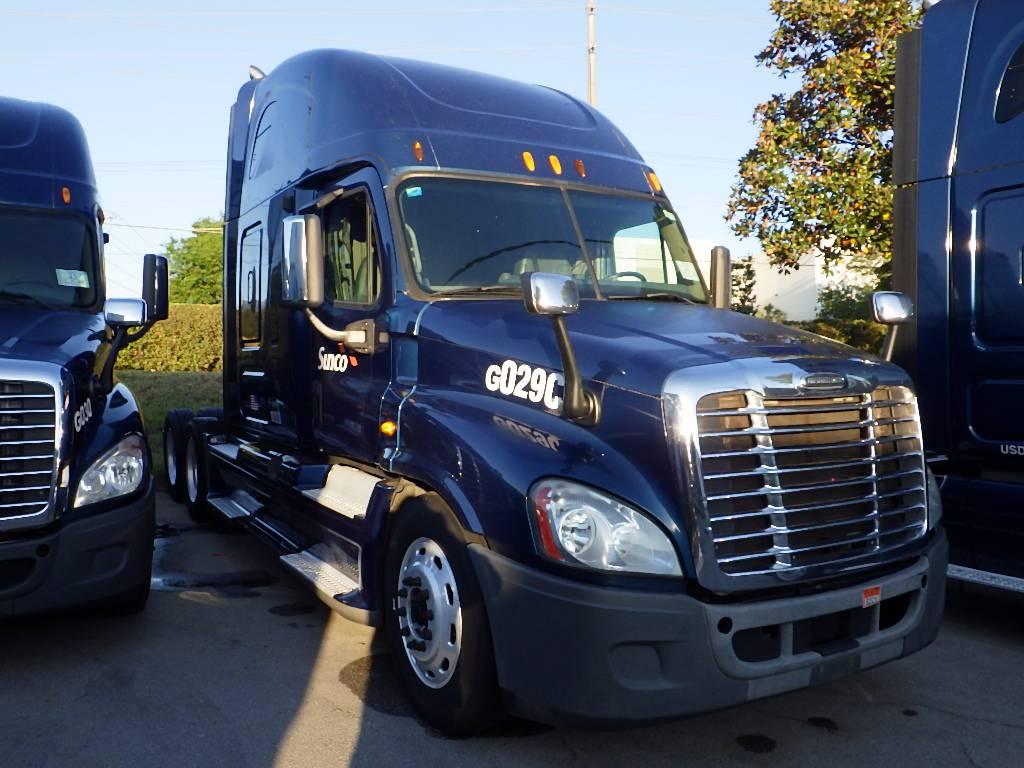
(591, 55)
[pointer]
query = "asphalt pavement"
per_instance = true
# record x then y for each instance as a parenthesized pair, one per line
(234, 663)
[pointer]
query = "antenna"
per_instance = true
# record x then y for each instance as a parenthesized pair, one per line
(255, 73)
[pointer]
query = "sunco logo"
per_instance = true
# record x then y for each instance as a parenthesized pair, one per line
(332, 362)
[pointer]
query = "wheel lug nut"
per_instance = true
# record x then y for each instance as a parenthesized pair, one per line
(400, 611)
(426, 634)
(403, 593)
(412, 581)
(416, 645)
(404, 631)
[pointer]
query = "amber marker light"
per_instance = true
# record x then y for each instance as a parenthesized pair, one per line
(417, 151)
(388, 428)
(556, 164)
(581, 169)
(65, 195)
(654, 181)
(528, 161)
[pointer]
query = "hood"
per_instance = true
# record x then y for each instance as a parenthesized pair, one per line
(633, 345)
(64, 338)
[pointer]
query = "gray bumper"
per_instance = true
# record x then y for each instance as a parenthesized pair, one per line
(99, 557)
(572, 652)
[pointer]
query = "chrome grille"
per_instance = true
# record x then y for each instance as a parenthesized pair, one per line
(28, 431)
(798, 482)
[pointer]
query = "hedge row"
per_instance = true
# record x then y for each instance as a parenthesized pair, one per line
(862, 334)
(188, 340)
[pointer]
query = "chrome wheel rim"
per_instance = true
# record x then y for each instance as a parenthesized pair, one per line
(191, 470)
(429, 612)
(170, 460)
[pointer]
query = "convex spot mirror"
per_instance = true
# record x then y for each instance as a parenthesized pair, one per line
(302, 272)
(891, 307)
(545, 293)
(155, 286)
(125, 313)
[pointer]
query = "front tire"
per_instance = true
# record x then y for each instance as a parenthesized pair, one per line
(176, 428)
(436, 621)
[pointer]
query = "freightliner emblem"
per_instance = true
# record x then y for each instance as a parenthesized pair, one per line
(823, 382)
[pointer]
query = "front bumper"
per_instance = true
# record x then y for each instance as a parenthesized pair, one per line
(569, 652)
(89, 560)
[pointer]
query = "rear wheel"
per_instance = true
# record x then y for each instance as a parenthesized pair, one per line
(176, 429)
(436, 622)
(196, 476)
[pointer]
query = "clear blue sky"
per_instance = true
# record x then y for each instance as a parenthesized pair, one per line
(152, 84)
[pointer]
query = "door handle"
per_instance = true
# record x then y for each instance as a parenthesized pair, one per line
(251, 280)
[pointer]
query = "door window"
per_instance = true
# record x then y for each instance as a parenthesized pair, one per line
(250, 286)
(352, 262)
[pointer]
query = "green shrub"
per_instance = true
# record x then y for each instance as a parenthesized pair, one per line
(188, 340)
(862, 334)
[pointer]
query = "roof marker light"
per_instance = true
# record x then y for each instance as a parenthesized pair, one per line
(581, 169)
(528, 161)
(556, 164)
(654, 181)
(65, 195)
(417, 151)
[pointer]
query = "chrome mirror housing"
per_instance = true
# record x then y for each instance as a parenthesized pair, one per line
(302, 270)
(545, 293)
(891, 307)
(125, 313)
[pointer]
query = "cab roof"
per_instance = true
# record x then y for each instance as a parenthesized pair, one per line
(42, 149)
(328, 108)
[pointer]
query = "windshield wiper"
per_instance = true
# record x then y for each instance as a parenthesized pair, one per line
(659, 296)
(23, 298)
(512, 290)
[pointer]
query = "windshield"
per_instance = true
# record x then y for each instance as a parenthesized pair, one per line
(475, 236)
(47, 259)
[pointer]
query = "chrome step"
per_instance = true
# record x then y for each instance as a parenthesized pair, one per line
(986, 578)
(330, 583)
(347, 491)
(238, 505)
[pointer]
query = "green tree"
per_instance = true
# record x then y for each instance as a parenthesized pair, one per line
(197, 270)
(818, 179)
(743, 283)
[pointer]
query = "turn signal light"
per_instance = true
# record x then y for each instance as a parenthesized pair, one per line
(388, 428)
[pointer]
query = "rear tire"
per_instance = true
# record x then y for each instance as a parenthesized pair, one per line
(197, 475)
(176, 429)
(436, 622)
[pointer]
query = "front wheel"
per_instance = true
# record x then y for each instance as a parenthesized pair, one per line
(196, 477)
(436, 622)
(176, 428)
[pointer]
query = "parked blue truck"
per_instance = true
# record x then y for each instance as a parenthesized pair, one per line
(76, 496)
(476, 393)
(959, 251)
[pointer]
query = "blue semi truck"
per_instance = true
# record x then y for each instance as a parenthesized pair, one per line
(959, 256)
(476, 393)
(76, 496)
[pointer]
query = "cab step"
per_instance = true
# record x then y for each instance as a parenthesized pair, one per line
(985, 578)
(237, 505)
(334, 588)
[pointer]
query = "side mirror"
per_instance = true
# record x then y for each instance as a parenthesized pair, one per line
(721, 277)
(556, 296)
(545, 293)
(302, 271)
(891, 307)
(155, 286)
(124, 313)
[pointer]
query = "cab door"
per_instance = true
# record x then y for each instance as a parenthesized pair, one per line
(348, 386)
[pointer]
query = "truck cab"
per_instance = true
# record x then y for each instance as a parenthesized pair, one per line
(76, 493)
(959, 170)
(476, 393)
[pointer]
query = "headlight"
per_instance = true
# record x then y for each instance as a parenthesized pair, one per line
(578, 525)
(934, 500)
(119, 471)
